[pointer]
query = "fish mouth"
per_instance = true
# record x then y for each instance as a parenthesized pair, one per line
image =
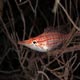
(21, 42)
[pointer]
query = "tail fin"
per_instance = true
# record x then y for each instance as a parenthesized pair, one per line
(70, 37)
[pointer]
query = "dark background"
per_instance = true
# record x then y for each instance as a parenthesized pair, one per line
(9, 63)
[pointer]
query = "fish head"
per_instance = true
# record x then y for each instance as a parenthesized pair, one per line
(34, 44)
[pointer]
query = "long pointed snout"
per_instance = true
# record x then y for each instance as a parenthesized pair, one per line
(22, 42)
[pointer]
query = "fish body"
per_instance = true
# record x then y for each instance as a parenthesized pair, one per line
(45, 42)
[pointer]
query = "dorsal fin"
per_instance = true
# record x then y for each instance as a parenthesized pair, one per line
(49, 29)
(60, 29)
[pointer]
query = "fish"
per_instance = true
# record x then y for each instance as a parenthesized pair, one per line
(46, 41)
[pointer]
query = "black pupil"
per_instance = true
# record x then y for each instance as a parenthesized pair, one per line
(34, 42)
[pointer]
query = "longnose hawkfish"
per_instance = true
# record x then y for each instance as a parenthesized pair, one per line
(46, 41)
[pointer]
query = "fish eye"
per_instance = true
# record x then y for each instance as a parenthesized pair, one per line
(34, 42)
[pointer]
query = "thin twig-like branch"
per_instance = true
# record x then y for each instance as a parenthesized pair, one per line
(55, 6)
(22, 3)
(23, 20)
(69, 17)
(41, 72)
(65, 50)
(12, 41)
(7, 33)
